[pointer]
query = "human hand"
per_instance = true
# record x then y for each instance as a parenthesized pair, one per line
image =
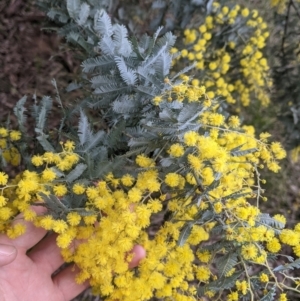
(27, 275)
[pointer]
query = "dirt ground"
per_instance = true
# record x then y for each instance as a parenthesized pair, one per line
(29, 57)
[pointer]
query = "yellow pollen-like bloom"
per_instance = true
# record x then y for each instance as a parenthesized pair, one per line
(15, 135)
(69, 145)
(144, 161)
(127, 180)
(264, 277)
(3, 132)
(274, 245)
(78, 188)
(249, 251)
(48, 175)
(172, 179)
(242, 286)
(3, 178)
(60, 190)
(73, 218)
(59, 226)
(176, 150)
(190, 138)
(203, 273)
(37, 160)
(3, 201)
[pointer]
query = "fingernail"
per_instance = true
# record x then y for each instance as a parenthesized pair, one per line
(7, 250)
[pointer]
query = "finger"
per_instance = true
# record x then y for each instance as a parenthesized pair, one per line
(8, 253)
(139, 253)
(65, 282)
(46, 254)
(32, 235)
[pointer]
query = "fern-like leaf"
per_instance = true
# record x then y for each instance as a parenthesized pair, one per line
(45, 143)
(94, 141)
(112, 89)
(150, 78)
(270, 295)
(100, 80)
(107, 45)
(73, 86)
(183, 71)
(220, 284)
(122, 44)
(83, 14)
(128, 75)
(19, 111)
(163, 65)
(226, 263)
(84, 132)
(267, 220)
(290, 266)
(125, 105)
(76, 172)
(245, 152)
(102, 23)
(73, 7)
(44, 110)
(98, 63)
(185, 233)
(152, 59)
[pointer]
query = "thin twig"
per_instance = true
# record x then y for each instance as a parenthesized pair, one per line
(295, 8)
(286, 27)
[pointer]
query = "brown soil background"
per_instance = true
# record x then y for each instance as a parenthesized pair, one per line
(29, 57)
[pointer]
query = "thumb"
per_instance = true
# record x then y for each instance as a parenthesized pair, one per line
(8, 254)
(139, 253)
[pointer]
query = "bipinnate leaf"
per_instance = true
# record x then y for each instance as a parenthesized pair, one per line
(102, 168)
(270, 295)
(84, 132)
(54, 205)
(76, 172)
(266, 219)
(45, 143)
(290, 266)
(83, 14)
(107, 45)
(226, 263)
(128, 75)
(185, 233)
(73, 7)
(163, 65)
(43, 110)
(152, 59)
(122, 44)
(94, 141)
(102, 23)
(240, 153)
(73, 86)
(220, 284)
(183, 71)
(19, 111)
(98, 63)
(125, 105)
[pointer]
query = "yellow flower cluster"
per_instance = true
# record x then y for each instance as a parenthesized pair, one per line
(7, 147)
(237, 70)
(214, 185)
(183, 91)
(280, 5)
(28, 186)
